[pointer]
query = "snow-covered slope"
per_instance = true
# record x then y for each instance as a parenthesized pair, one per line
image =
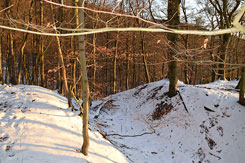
(141, 125)
(210, 129)
(36, 127)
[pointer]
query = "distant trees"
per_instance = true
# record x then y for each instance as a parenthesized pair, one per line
(113, 61)
(225, 10)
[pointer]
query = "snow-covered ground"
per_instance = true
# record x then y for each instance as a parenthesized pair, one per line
(36, 127)
(210, 129)
(141, 125)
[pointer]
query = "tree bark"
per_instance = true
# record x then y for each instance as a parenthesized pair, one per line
(1, 72)
(174, 20)
(84, 80)
(43, 84)
(242, 88)
(147, 74)
(115, 65)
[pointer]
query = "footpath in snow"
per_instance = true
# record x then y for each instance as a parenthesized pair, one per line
(36, 126)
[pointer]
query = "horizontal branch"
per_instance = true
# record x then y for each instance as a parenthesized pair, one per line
(128, 29)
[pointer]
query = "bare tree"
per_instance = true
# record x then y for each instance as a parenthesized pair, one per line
(84, 81)
(225, 10)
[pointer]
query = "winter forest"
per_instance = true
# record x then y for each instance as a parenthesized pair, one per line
(122, 81)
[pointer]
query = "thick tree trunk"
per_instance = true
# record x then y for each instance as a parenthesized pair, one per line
(174, 20)
(242, 88)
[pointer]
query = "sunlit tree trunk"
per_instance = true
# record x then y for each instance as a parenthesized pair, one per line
(43, 84)
(84, 80)
(11, 59)
(61, 59)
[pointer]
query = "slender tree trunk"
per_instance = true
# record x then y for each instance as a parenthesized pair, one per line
(147, 74)
(128, 66)
(174, 19)
(43, 84)
(61, 59)
(64, 72)
(94, 60)
(225, 41)
(1, 73)
(115, 65)
(12, 59)
(85, 84)
(74, 76)
(11, 55)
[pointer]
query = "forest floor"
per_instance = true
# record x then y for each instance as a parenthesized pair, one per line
(203, 123)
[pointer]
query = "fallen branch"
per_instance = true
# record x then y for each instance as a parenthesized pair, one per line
(129, 135)
(210, 110)
(183, 102)
(81, 108)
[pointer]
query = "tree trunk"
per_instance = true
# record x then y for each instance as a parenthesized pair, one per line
(115, 65)
(94, 60)
(43, 84)
(12, 59)
(84, 80)
(174, 20)
(224, 44)
(128, 66)
(1, 73)
(147, 74)
(242, 88)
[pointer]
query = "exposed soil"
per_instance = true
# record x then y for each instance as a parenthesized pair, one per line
(162, 108)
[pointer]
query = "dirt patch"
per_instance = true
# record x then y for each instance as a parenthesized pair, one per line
(109, 104)
(211, 142)
(139, 90)
(162, 108)
(153, 93)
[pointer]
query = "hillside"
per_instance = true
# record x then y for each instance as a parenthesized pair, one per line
(141, 125)
(36, 125)
(147, 126)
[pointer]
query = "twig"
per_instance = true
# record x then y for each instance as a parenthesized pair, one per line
(129, 135)
(210, 110)
(183, 102)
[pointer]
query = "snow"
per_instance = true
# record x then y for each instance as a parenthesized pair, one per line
(141, 125)
(36, 125)
(214, 134)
